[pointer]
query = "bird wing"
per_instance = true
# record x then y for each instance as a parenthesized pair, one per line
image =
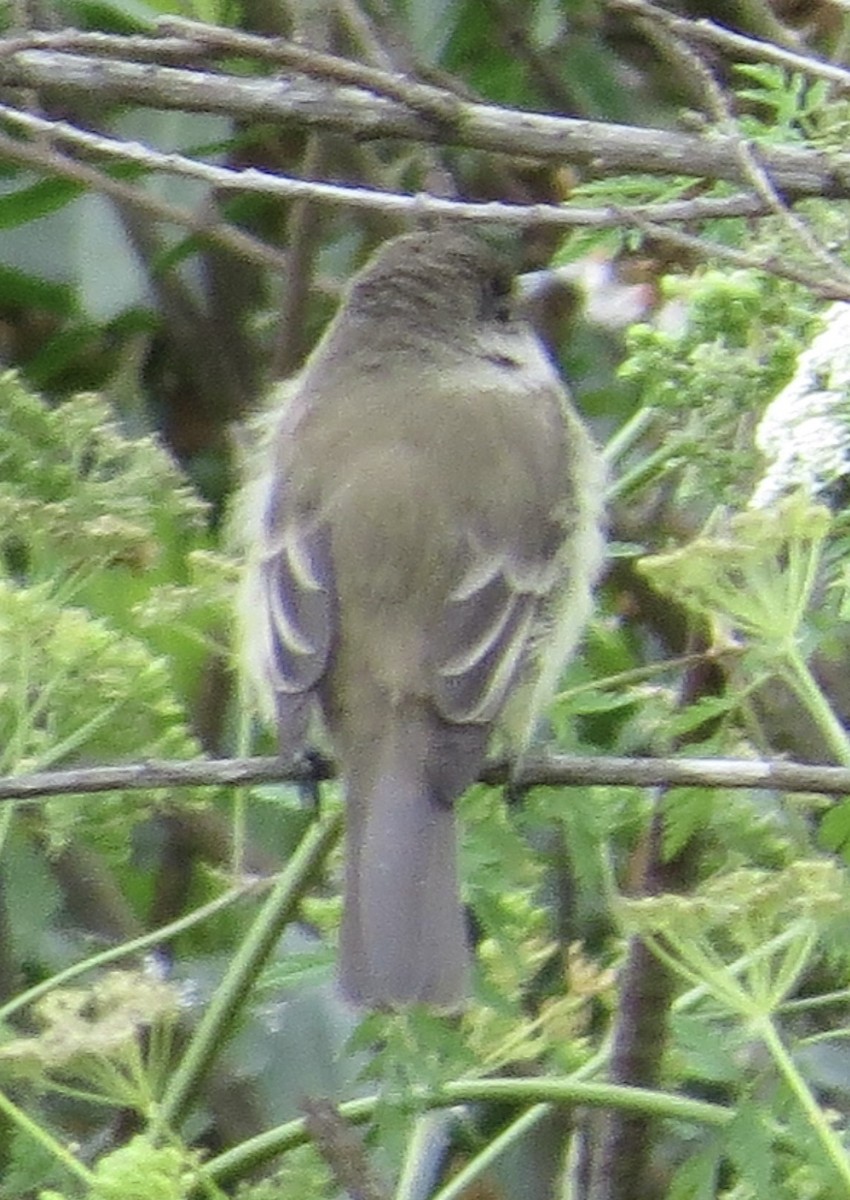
(488, 628)
(298, 588)
(292, 610)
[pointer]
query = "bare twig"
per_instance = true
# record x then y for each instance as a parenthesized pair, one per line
(254, 180)
(418, 112)
(749, 155)
(647, 218)
(818, 285)
(362, 29)
(42, 158)
(555, 769)
(710, 33)
(431, 102)
(135, 47)
(510, 26)
(304, 225)
(624, 1143)
(342, 1148)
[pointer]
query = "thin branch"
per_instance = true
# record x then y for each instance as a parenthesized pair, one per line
(196, 41)
(42, 158)
(432, 102)
(254, 180)
(749, 155)
(621, 1146)
(362, 31)
(602, 148)
(647, 217)
(818, 285)
(710, 33)
(559, 770)
(304, 220)
(544, 66)
(135, 48)
(338, 1142)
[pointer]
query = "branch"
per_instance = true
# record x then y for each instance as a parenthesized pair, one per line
(135, 47)
(44, 159)
(433, 102)
(819, 285)
(711, 34)
(749, 154)
(602, 148)
(553, 769)
(649, 218)
(286, 186)
(406, 108)
(342, 1148)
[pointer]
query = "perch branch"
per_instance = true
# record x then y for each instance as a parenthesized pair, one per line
(554, 769)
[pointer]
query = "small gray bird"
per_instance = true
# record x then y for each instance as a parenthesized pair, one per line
(423, 539)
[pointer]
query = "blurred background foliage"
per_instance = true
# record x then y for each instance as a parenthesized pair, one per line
(146, 1042)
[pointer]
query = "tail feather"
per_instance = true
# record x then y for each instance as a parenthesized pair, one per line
(403, 933)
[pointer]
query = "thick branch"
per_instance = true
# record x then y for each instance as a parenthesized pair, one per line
(557, 769)
(601, 148)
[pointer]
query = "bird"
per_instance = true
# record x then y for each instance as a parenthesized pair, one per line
(423, 523)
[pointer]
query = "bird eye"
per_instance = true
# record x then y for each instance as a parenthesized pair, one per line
(496, 294)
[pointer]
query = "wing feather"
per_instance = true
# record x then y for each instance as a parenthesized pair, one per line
(298, 590)
(486, 631)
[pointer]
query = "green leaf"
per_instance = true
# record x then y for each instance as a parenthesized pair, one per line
(59, 353)
(584, 817)
(31, 895)
(601, 701)
(708, 1049)
(296, 970)
(834, 832)
(20, 290)
(117, 16)
(707, 708)
(748, 1144)
(696, 1178)
(686, 811)
(37, 200)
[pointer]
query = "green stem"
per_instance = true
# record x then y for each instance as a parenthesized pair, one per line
(467, 1175)
(810, 1003)
(115, 953)
(804, 684)
(629, 435)
(517, 1129)
(241, 1159)
(765, 951)
(648, 467)
(804, 568)
(240, 794)
(425, 1127)
(826, 1135)
(50, 1144)
(623, 679)
(783, 975)
(214, 1027)
(6, 817)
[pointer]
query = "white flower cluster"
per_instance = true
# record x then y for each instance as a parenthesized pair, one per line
(805, 431)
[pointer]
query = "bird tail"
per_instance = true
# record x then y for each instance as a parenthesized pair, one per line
(403, 933)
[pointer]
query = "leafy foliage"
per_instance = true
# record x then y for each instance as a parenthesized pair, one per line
(115, 600)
